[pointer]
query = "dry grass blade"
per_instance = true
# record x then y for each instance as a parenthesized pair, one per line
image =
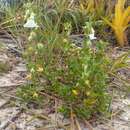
(78, 124)
(72, 124)
(88, 125)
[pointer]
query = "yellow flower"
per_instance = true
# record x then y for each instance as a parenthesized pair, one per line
(36, 52)
(40, 69)
(88, 93)
(75, 92)
(89, 102)
(29, 76)
(30, 49)
(87, 82)
(65, 40)
(35, 94)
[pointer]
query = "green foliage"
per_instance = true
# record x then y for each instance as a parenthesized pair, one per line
(29, 93)
(75, 75)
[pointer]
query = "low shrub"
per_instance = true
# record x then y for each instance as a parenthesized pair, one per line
(76, 76)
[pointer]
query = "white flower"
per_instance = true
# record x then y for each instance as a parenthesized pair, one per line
(31, 22)
(91, 36)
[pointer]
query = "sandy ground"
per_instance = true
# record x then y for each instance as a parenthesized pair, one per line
(14, 117)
